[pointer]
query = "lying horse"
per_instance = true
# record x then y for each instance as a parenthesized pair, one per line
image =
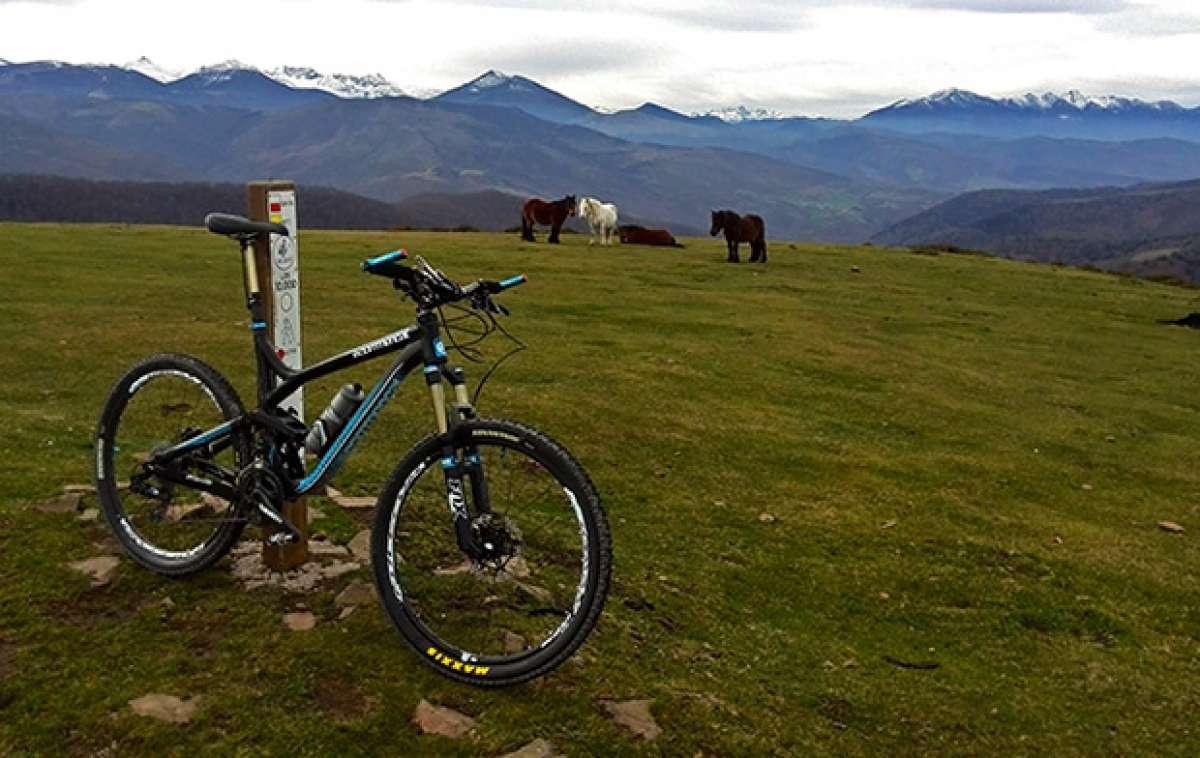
(601, 217)
(738, 229)
(640, 235)
(538, 211)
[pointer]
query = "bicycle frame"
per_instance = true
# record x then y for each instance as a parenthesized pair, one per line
(419, 343)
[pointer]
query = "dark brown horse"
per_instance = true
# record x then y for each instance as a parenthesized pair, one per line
(538, 211)
(738, 229)
(640, 235)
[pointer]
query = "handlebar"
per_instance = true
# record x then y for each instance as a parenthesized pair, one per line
(494, 287)
(431, 288)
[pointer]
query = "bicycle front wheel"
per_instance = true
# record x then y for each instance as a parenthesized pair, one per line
(527, 605)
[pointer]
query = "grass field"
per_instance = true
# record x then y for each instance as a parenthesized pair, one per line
(966, 460)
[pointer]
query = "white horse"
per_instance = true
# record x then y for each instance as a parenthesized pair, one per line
(602, 218)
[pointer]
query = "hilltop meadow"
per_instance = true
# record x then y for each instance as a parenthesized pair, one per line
(864, 502)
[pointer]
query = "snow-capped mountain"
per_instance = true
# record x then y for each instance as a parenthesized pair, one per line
(1079, 101)
(342, 85)
(960, 99)
(1070, 114)
(944, 98)
(215, 73)
(492, 79)
(499, 89)
(736, 114)
(147, 67)
(297, 77)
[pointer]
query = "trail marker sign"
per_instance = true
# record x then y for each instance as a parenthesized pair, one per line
(279, 261)
(285, 284)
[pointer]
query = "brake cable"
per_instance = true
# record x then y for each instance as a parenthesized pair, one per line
(468, 350)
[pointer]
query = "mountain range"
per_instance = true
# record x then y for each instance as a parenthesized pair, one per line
(1150, 229)
(1071, 115)
(841, 180)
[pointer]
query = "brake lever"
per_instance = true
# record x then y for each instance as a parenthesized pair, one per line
(481, 299)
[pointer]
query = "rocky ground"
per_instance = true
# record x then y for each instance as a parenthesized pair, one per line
(330, 563)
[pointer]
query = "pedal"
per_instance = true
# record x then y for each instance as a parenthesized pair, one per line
(280, 538)
(287, 533)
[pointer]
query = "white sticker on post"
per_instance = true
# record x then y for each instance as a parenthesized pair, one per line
(285, 288)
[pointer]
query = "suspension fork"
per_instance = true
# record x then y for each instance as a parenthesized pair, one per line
(434, 358)
(472, 463)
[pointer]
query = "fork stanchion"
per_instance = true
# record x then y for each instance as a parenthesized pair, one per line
(278, 271)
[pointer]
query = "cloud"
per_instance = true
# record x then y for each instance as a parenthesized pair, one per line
(1076, 7)
(1143, 22)
(744, 16)
(566, 58)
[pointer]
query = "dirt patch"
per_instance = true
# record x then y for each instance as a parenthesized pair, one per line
(98, 606)
(837, 710)
(8, 657)
(8, 673)
(341, 700)
(206, 631)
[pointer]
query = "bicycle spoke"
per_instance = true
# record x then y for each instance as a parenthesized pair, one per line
(508, 604)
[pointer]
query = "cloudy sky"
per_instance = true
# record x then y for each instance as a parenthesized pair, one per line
(814, 57)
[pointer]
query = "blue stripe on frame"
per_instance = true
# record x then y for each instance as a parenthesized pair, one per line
(374, 402)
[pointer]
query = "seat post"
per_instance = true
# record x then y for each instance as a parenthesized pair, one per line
(250, 270)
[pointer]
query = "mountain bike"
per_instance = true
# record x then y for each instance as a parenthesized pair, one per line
(490, 549)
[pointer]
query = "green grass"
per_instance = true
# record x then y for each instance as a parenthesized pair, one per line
(966, 458)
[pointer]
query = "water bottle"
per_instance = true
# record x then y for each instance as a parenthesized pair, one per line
(325, 429)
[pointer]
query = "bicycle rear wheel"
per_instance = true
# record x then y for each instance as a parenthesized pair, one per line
(169, 528)
(530, 604)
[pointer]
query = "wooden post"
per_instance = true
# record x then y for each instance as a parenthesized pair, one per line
(278, 272)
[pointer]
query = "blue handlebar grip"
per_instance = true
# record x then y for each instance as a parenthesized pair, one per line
(513, 281)
(395, 255)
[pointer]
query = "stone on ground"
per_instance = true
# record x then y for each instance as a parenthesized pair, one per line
(324, 549)
(100, 569)
(635, 716)
(539, 594)
(517, 567)
(349, 502)
(165, 707)
(539, 748)
(360, 546)
(248, 567)
(459, 568)
(434, 719)
(301, 621)
(356, 593)
(513, 642)
(67, 503)
(190, 511)
(339, 568)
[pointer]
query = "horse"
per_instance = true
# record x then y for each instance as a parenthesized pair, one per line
(640, 235)
(738, 229)
(601, 217)
(538, 211)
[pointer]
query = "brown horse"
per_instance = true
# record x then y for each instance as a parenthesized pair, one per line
(640, 235)
(538, 211)
(738, 229)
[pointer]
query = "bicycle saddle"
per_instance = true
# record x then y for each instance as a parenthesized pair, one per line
(225, 223)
